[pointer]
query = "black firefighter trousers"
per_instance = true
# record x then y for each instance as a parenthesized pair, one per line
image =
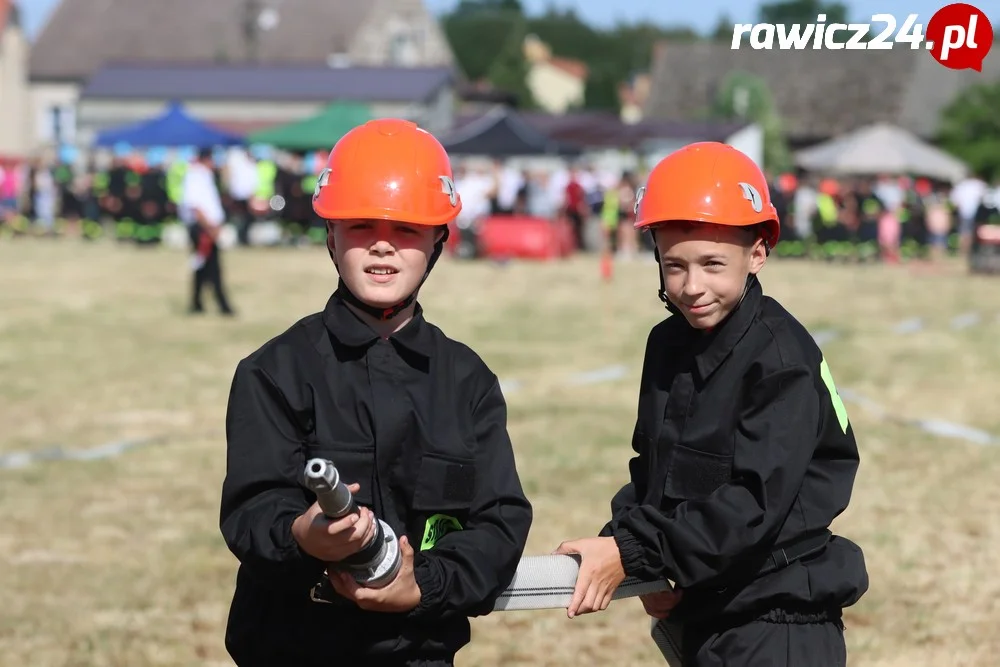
(768, 644)
(209, 272)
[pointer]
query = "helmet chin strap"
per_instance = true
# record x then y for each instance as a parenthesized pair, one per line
(386, 314)
(674, 310)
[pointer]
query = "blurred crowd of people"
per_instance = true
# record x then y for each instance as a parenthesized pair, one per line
(886, 218)
(578, 192)
(132, 195)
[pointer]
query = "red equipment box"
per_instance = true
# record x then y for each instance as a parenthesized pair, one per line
(501, 237)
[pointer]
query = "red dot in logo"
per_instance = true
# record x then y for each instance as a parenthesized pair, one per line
(960, 36)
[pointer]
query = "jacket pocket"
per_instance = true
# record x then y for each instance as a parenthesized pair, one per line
(695, 475)
(443, 497)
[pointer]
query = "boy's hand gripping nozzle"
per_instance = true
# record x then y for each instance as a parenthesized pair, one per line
(377, 564)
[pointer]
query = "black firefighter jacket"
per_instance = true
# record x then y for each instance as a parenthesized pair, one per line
(420, 422)
(744, 448)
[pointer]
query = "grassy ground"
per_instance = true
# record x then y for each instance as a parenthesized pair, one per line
(119, 562)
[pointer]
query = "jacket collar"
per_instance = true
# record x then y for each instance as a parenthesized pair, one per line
(713, 348)
(350, 330)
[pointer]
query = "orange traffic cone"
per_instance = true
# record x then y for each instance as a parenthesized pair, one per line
(607, 266)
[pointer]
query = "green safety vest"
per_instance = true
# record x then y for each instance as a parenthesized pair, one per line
(63, 174)
(309, 183)
(175, 181)
(267, 172)
(827, 209)
(870, 207)
(100, 183)
(609, 213)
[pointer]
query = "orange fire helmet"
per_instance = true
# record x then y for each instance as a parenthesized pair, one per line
(829, 186)
(708, 182)
(388, 169)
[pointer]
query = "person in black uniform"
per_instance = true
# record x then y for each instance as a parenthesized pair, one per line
(152, 205)
(286, 182)
(114, 202)
(984, 248)
(298, 197)
(415, 421)
(868, 208)
(70, 203)
(745, 453)
(202, 211)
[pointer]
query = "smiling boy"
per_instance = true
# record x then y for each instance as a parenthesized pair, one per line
(415, 421)
(745, 454)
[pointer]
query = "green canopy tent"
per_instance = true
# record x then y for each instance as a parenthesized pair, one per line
(319, 132)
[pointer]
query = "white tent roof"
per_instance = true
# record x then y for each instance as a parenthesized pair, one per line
(881, 148)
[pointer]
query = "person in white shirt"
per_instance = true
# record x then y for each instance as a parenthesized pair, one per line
(202, 212)
(966, 196)
(241, 182)
(510, 183)
(475, 188)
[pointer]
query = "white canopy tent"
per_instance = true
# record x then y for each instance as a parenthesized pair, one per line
(881, 149)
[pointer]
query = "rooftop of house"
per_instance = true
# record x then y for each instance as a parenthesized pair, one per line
(82, 35)
(575, 68)
(280, 82)
(818, 93)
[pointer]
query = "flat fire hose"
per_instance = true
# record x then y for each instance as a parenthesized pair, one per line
(540, 582)
(547, 582)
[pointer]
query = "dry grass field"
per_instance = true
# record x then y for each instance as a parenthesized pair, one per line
(119, 561)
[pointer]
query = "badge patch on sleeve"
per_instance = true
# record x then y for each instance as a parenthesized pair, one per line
(838, 403)
(437, 527)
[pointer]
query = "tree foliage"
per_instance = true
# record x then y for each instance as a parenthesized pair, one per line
(807, 11)
(601, 91)
(482, 35)
(723, 30)
(970, 129)
(801, 11)
(478, 35)
(509, 70)
(746, 97)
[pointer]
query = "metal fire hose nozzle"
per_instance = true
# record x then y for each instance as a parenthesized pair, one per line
(377, 564)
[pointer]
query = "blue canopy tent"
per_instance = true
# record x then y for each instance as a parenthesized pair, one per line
(173, 128)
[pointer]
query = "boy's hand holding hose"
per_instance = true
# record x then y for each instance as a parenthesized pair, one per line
(333, 540)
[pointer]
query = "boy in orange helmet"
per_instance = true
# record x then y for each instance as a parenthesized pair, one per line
(415, 421)
(745, 454)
